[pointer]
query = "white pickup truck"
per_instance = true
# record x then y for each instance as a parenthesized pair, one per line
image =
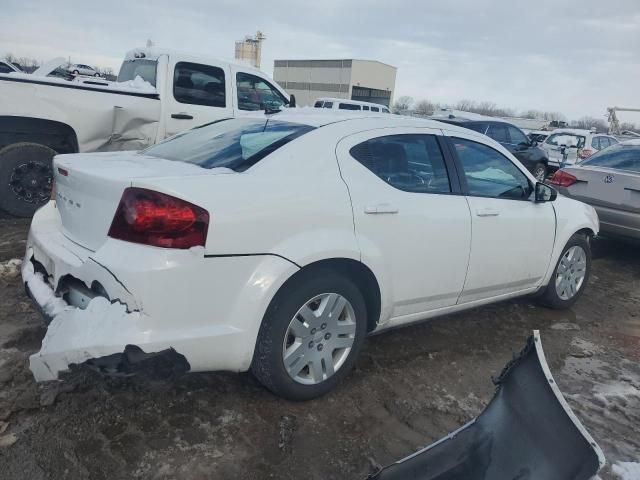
(158, 94)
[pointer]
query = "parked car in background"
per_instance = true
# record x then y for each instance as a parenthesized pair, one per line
(577, 144)
(8, 67)
(158, 94)
(610, 181)
(513, 139)
(285, 239)
(344, 104)
(81, 69)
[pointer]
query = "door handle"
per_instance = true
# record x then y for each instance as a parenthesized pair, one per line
(487, 212)
(182, 116)
(380, 208)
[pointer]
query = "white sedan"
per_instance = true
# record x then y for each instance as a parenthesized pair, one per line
(277, 243)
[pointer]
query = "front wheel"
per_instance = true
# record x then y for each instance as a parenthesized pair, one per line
(540, 172)
(310, 336)
(571, 274)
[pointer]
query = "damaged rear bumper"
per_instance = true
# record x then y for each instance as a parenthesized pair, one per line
(132, 300)
(528, 431)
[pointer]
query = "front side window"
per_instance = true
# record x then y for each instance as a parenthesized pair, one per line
(236, 143)
(489, 173)
(385, 110)
(622, 157)
(199, 84)
(517, 137)
(318, 104)
(4, 68)
(413, 163)
(595, 143)
(348, 106)
(375, 109)
(498, 132)
(328, 105)
(255, 93)
(365, 107)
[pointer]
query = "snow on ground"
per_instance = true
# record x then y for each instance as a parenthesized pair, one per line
(10, 268)
(626, 470)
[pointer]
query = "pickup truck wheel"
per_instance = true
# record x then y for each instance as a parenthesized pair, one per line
(310, 336)
(25, 178)
(571, 274)
(540, 172)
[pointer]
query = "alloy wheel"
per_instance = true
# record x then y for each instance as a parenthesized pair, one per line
(571, 272)
(31, 182)
(319, 338)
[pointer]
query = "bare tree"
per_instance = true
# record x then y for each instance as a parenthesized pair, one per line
(402, 104)
(10, 57)
(589, 122)
(425, 107)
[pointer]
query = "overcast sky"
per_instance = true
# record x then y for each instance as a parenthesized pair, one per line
(572, 56)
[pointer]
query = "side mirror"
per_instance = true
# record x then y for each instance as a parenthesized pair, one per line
(544, 193)
(292, 101)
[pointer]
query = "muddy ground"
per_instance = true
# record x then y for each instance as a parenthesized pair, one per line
(411, 386)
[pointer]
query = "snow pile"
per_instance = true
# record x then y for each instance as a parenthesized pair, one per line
(626, 470)
(137, 83)
(10, 268)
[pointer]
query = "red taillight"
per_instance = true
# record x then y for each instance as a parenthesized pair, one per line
(154, 218)
(563, 179)
(585, 153)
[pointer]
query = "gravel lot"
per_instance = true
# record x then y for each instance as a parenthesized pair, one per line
(411, 386)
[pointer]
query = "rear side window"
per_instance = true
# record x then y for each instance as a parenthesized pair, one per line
(413, 163)
(596, 143)
(328, 105)
(4, 68)
(255, 93)
(619, 156)
(317, 104)
(375, 109)
(365, 107)
(499, 133)
(236, 143)
(348, 106)
(488, 173)
(199, 84)
(145, 69)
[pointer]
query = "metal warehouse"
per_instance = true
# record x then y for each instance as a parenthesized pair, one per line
(364, 80)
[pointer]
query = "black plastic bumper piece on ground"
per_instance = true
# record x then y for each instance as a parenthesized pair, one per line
(134, 360)
(527, 432)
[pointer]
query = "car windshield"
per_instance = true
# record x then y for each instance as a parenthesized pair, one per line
(236, 143)
(131, 69)
(620, 156)
(566, 139)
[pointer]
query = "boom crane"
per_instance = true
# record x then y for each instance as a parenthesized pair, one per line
(614, 124)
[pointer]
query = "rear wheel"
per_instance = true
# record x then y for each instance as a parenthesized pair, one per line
(25, 178)
(76, 72)
(310, 336)
(540, 172)
(571, 274)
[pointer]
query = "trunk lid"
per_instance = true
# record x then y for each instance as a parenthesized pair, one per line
(606, 187)
(89, 188)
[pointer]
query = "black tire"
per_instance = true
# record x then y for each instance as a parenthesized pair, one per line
(550, 297)
(25, 178)
(540, 171)
(96, 74)
(268, 364)
(76, 72)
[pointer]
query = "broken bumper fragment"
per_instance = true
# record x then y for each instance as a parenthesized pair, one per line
(527, 431)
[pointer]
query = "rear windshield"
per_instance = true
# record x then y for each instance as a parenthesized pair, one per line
(236, 143)
(131, 69)
(620, 156)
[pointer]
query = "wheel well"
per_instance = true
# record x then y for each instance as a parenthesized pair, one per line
(587, 232)
(359, 274)
(55, 135)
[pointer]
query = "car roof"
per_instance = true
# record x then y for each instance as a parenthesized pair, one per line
(576, 131)
(317, 117)
(633, 142)
(346, 100)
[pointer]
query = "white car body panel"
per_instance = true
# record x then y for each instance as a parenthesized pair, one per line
(302, 204)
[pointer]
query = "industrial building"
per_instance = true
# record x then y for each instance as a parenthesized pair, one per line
(250, 49)
(364, 80)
